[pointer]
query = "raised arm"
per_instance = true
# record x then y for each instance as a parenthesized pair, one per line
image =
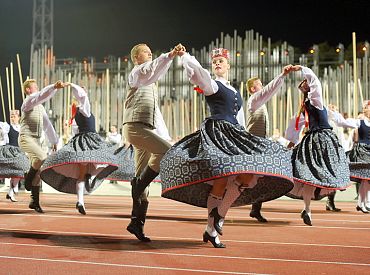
(149, 72)
(198, 75)
(259, 98)
(315, 93)
(40, 97)
(340, 121)
(81, 95)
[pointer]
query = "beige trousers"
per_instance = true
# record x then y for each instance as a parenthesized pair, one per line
(32, 147)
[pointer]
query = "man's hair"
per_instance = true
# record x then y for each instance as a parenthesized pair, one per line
(28, 83)
(250, 83)
(135, 50)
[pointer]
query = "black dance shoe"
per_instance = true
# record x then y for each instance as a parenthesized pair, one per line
(216, 220)
(362, 209)
(137, 229)
(35, 206)
(207, 237)
(306, 218)
(80, 208)
(257, 216)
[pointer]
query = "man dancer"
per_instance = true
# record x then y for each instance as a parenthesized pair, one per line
(141, 107)
(33, 121)
(257, 119)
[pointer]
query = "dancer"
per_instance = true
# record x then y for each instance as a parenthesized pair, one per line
(14, 163)
(71, 169)
(359, 156)
(258, 119)
(33, 121)
(222, 155)
(319, 162)
(138, 128)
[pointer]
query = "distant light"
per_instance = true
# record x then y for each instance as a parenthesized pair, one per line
(125, 59)
(364, 48)
(262, 53)
(337, 50)
(312, 51)
(238, 54)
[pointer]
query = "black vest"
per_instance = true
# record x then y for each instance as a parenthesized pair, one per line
(225, 104)
(364, 133)
(318, 118)
(85, 124)
(13, 136)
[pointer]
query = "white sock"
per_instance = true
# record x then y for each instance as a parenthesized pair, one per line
(362, 192)
(307, 194)
(14, 184)
(11, 191)
(80, 188)
(212, 202)
(231, 194)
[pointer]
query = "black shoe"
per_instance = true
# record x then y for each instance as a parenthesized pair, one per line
(12, 199)
(362, 209)
(137, 230)
(35, 206)
(80, 208)
(306, 218)
(207, 237)
(88, 186)
(258, 216)
(216, 220)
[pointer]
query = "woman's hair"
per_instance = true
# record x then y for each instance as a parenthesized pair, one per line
(135, 50)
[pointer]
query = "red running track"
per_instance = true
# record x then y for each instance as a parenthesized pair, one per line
(62, 241)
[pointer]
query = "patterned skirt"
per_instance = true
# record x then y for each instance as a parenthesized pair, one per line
(359, 165)
(13, 162)
(319, 160)
(126, 165)
(221, 149)
(61, 170)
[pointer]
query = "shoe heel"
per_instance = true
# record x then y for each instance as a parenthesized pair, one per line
(205, 239)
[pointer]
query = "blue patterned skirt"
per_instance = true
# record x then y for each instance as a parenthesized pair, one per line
(13, 162)
(319, 160)
(126, 165)
(359, 165)
(61, 170)
(222, 149)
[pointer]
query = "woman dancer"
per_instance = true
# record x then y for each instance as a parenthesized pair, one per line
(222, 155)
(359, 156)
(70, 170)
(13, 162)
(319, 161)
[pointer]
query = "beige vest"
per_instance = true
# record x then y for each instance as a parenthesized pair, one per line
(32, 122)
(141, 104)
(258, 122)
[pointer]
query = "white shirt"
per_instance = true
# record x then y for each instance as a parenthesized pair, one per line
(201, 77)
(38, 98)
(260, 97)
(84, 104)
(4, 128)
(315, 98)
(149, 72)
(114, 138)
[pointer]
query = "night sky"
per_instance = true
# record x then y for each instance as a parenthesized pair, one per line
(103, 27)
